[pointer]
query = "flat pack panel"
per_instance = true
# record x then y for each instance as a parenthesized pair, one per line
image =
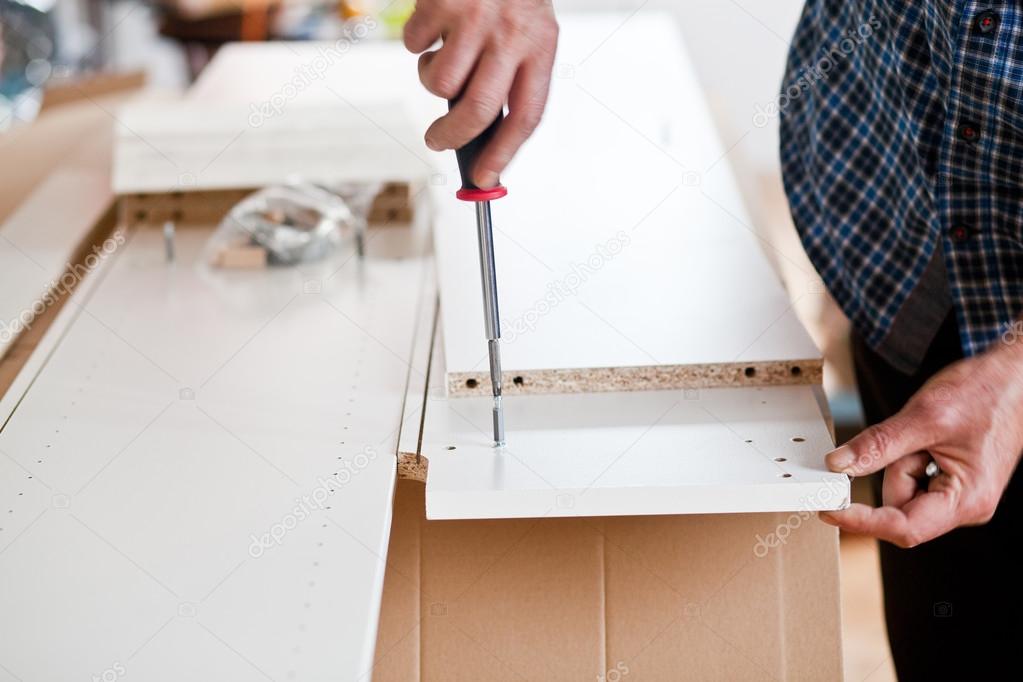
(693, 451)
(200, 475)
(39, 239)
(623, 241)
(268, 113)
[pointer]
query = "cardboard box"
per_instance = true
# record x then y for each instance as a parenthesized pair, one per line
(708, 597)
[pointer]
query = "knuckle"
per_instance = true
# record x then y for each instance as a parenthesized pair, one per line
(472, 14)
(880, 439)
(482, 107)
(529, 118)
(440, 83)
(549, 30)
(983, 507)
(514, 19)
(909, 539)
(446, 86)
(939, 414)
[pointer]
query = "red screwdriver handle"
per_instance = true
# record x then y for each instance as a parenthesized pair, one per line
(467, 157)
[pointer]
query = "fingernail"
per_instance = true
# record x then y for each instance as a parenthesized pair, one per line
(486, 180)
(432, 144)
(841, 460)
(827, 518)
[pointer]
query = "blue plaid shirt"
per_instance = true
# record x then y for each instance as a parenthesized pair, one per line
(902, 153)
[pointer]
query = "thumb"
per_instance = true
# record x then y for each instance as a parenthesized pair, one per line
(876, 447)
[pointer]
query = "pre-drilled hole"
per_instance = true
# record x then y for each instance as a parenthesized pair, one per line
(472, 383)
(796, 370)
(780, 459)
(518, 381)
(798, 439)
(451, 447)
(786, 475)
(750, 371)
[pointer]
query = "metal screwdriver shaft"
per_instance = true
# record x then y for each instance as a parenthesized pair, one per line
(467, 157)
(491, 315)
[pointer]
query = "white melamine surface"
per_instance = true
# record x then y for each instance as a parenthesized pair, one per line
(39, 238)
(264, 113)
(182, 415)
(623, 240)
(636, 453)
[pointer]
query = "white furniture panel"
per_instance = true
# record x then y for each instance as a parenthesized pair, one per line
(198, 482)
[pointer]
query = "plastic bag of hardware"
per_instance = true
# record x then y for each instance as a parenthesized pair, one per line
(280, 226)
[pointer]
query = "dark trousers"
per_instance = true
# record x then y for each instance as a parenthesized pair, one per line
(954, 605)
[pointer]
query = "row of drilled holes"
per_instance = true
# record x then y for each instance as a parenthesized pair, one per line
(795, 371)
(750, 372)
(795, 439)
(473, 383)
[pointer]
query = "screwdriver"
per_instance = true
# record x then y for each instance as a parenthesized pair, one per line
(467, 157)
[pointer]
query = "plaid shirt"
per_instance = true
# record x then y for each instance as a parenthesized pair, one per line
(902, 152)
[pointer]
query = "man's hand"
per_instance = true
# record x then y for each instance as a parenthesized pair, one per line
(969, 419)
(494, 51)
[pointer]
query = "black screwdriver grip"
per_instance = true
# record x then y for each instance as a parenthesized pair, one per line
(470, 153)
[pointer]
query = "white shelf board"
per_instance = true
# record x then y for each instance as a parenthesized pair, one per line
(623, 240)
(707, 451)
(265, 113)
(181, 416)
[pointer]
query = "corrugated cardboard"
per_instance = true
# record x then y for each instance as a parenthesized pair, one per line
(710, 597)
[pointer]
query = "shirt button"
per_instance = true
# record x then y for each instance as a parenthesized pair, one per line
(987, 21)
(969, 131)
(961, 233)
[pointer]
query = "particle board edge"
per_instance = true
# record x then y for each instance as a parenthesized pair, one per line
(644, 378)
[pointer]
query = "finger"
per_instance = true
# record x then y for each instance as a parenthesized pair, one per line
(876, 447)
(921, 519)
(526, 103)
(902, 479)
(445, 71)
(476, 109)
(422, 30)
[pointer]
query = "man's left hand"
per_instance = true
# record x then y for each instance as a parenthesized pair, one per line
(968, 419)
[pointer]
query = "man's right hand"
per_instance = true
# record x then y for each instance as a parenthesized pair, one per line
(494, 51)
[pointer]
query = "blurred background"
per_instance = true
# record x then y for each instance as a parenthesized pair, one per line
(60, 53)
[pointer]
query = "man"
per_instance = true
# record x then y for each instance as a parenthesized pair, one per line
(902, 151)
